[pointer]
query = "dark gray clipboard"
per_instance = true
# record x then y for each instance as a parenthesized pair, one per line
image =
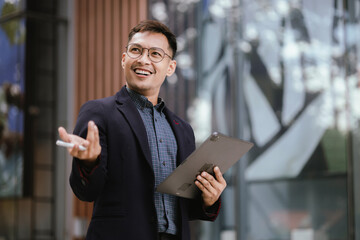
(217, 150)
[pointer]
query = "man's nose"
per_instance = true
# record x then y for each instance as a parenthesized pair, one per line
(145, 56)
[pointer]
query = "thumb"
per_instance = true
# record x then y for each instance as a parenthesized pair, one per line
(63, 134)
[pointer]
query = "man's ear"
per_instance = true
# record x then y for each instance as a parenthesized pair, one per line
(123, 60)
(171, 68)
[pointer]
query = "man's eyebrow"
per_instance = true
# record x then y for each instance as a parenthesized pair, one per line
(149, 47)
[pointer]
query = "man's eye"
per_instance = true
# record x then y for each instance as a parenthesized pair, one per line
(156, 54)
(135, 50)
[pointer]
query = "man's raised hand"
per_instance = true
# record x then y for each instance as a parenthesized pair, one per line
(91, 143)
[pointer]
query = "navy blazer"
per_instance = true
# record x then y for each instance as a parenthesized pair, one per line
(122, 184)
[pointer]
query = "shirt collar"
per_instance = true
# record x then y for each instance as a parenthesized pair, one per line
(142, 102)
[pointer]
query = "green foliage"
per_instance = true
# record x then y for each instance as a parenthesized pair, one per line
(334, 143)
(12, 28)
(8, 8)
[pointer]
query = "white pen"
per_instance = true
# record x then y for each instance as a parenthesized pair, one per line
(66, 144)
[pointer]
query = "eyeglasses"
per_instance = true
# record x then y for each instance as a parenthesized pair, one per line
(155, 54)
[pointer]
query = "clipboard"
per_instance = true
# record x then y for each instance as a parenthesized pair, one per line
(217, 150)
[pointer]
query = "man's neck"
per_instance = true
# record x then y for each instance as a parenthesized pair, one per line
(151, 98)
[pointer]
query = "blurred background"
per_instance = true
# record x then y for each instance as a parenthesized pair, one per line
(283, 74)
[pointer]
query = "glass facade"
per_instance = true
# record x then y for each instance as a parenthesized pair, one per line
(12, 90)
(285, 75)
(28, 106)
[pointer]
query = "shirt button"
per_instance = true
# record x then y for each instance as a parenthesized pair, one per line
(83, 182)
(161, 140)
(164, 163)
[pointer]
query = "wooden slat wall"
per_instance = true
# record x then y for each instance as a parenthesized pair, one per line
(101, 35)
(101, 29)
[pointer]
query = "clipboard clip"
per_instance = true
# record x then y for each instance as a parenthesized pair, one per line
(214, 136)
(207, 167)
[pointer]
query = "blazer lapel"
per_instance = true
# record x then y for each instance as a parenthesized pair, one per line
(129, 111)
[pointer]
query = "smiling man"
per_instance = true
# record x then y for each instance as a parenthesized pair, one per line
(146, 63)
(133, 142)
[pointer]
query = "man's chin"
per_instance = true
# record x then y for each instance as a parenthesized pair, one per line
(139, 88)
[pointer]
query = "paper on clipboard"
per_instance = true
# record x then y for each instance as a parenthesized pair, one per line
(218, 150)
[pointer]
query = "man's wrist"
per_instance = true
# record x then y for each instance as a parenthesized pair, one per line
(89, 165)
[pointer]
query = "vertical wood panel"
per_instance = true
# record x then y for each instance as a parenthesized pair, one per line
(143, 9)
(134, 13)
(101, 29)
(108, 45)
(83, 63)
(91, 49)
(116, 47)
(124, 28)
(76, 51)
(99, 38)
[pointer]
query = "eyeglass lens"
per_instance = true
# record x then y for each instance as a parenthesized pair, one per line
(136, 50)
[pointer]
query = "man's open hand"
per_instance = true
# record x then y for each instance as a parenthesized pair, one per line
(91, 143)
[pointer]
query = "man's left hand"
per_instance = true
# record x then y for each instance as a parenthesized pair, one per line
(211, 187)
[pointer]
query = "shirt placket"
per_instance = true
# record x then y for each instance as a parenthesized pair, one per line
(158, 131)
(159, 141)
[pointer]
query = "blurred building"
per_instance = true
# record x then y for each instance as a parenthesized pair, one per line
(283, 74)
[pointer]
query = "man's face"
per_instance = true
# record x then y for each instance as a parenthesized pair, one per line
(141, 74)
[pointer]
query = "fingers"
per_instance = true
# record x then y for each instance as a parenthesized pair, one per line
(90, 131)
(208, 182)
(211, 187)
(63, 134)
(92, 137)
(91, 143)
(203, 184)
(219, 175)
(94, 141)
(96, 135)
(75, 151)
(67, 137)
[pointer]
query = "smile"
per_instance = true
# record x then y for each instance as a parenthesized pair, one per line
(142, 72)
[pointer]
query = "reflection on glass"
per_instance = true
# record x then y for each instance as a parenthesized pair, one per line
(298, 208)
(8, 7)
(310, 104)
(299, 80)
(311, 95)
(12, 49)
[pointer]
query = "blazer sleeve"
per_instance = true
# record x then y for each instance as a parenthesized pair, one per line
(197, 211)
(88, 185)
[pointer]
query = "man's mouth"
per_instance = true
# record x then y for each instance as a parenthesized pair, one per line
(142, 72)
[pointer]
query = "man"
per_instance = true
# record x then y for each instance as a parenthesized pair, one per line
(133, 141)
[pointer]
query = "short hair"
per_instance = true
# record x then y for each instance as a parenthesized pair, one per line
(156, 27)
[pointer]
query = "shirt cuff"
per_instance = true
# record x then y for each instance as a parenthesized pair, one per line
(213, 210)
(85, 171)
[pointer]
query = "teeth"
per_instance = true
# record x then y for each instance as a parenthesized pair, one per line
(138, 71)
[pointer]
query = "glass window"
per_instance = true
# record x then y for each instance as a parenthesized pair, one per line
(12, 58)
(283, 74)
(10, 7)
